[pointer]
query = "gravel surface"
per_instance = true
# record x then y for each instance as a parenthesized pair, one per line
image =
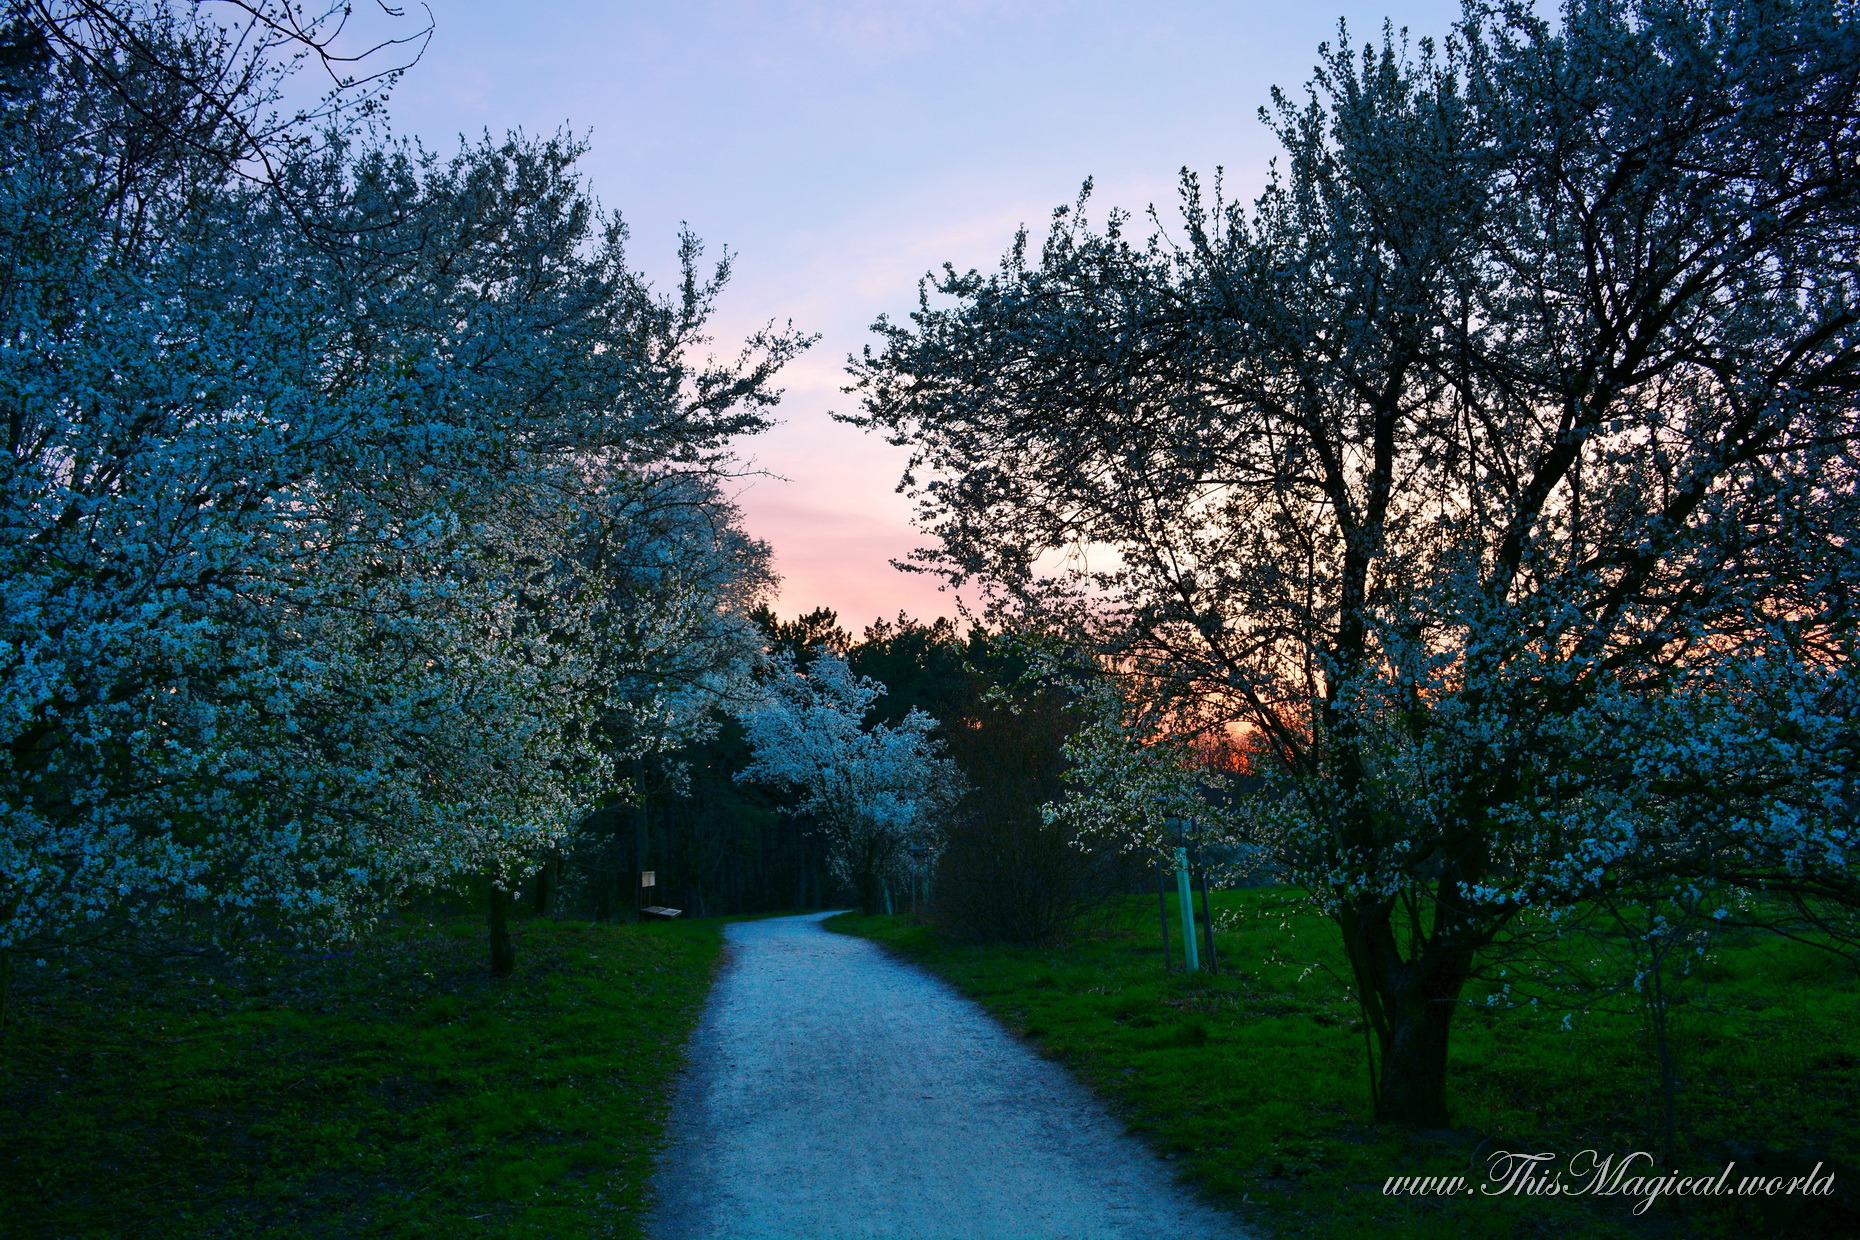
(835, 1093)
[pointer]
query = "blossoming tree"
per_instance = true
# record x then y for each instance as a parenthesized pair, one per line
(877, 792)
(354, 497)
(1495, 472)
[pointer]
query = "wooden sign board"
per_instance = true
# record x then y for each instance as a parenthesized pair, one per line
(648, 878)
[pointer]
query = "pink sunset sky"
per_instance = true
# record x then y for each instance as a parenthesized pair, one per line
(841, 150)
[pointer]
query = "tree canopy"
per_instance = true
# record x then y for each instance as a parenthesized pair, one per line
(1494, 471)
(361, 505)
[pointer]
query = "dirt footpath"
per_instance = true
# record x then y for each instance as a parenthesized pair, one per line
(838, 1094)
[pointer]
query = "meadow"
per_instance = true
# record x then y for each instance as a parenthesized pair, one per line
(392, 1087)
(389, 1087)
(1254, 1080)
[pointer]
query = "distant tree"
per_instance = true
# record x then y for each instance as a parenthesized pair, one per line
(1012, 870)
(874, 791)
(922, 666)
(819, 629)
(1008, 872)
(1496, 472)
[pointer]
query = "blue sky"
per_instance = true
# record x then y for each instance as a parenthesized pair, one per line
(841, 149)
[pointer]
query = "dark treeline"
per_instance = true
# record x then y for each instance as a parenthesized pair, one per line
(715, 846)
(718, 845)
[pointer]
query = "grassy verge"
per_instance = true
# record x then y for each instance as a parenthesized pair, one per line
(390, 1089)
(1255, 1081)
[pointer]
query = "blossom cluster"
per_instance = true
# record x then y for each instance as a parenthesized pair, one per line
(877, 792)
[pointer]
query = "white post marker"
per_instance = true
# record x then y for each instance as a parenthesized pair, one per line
(1191, 950)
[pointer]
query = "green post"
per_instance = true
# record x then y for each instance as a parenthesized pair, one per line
(1191, 950)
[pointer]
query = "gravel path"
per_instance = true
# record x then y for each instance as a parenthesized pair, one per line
(837, 1094)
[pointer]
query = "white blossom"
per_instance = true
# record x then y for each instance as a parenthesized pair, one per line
(876, 792)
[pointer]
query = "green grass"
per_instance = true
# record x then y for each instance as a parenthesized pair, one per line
(392, 1090)
(1254, 1081)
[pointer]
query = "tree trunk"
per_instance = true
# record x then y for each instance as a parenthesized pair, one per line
(1211, 960)
(503, 947)
(1162, 911)
(545, 887)
(869, 876)
(871, 894)
(1669, 1074)
(1414, 1057)
(1411, 1004)
(1659, 1011)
